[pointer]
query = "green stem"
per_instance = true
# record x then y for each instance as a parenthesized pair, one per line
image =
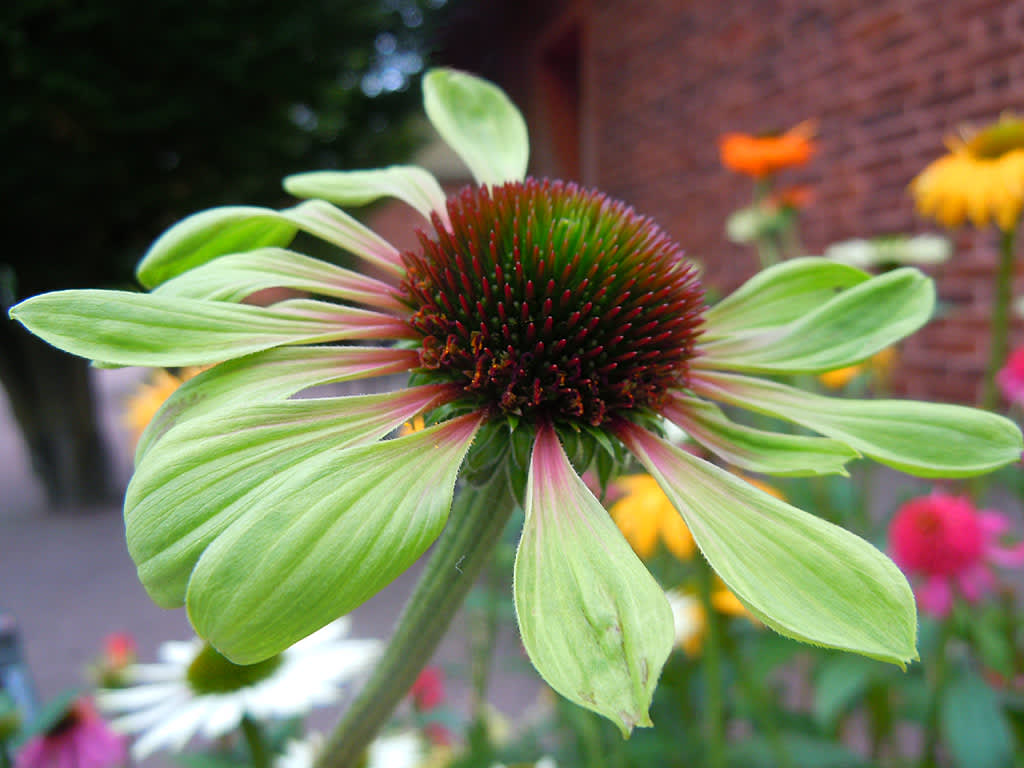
(714, 704)
(929, 755)
(997, 347)
(254, 740)
(763, 706)
(483, 636)
(478, 518)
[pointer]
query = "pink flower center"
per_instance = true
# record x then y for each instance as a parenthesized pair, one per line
(937, 535)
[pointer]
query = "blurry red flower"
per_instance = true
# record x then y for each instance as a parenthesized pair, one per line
(947, 547)
(1011, 377)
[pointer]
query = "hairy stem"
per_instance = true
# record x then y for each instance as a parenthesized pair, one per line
(478, 517)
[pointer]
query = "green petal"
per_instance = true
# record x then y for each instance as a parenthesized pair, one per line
(409, 183)
(770, 453)
(847, 329)
(779, 295)
(802, 576)
(204, 236)
(239, 275)
(923, 439)
(126, 328)
(480, 123)
(595, 623)
(271, 375)
(329, 536)
(206, 473)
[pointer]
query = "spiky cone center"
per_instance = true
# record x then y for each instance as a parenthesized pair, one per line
(210, 672)
(552, 303)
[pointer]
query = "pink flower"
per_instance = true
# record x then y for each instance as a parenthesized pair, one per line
(428, 694)
(1011, 378)
(948, 546)
(79, 739)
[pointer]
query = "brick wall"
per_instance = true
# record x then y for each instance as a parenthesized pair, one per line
(660, 80)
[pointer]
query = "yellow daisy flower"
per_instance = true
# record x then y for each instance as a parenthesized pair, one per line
(645, 515)
(981, 179)
(143, 404)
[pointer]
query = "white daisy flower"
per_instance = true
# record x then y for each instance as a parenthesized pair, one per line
(193, 690)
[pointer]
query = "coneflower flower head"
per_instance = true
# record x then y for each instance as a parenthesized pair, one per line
(547, 330)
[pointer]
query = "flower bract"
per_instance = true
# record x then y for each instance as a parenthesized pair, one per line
(547, 329)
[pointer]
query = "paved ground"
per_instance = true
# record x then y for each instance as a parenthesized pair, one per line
(67, 578)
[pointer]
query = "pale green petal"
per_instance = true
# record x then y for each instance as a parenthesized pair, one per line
(409, 183)
(771, 453)
(923, 439)
(780, 294)
(595, 623)
(847, 329)
(330, 535)
(271, 375)
(127, 328)
(480, 123)
(239, 275)
(204, 236)
(206, 473)
(802, 576)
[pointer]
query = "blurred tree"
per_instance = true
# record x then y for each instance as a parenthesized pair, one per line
(122, 117)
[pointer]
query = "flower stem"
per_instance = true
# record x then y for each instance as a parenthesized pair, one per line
(254, 740)
(929, 757)
(714, 706)
(483, 634)
(474, 528)
(997, 347)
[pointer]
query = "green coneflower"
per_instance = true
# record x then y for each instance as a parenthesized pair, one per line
(547, 328)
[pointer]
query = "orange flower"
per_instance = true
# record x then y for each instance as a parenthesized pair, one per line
(761, 156)
(147, 399)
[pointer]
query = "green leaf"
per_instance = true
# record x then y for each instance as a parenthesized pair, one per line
(204, 236)
(480, 123)
(409, 183)
(840, 682)
(974, 725)
(142, 329)
(328, 536)
(804, 751)
(271, 375)
(779, 295)
(922, 439)
(237, 276)
(847, 329)
(206, 473)
(802, 576)
(756, 450)
(594, 622)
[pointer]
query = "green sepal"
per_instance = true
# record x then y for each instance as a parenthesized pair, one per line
(922, 439)
(409, 183)
(802, 576)
(479, 122)
(127, 328)
(204, 236)
(205, 474)
(594, 622)
(756, 450)
(780, 294)
(330, 535)
(845, 330)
